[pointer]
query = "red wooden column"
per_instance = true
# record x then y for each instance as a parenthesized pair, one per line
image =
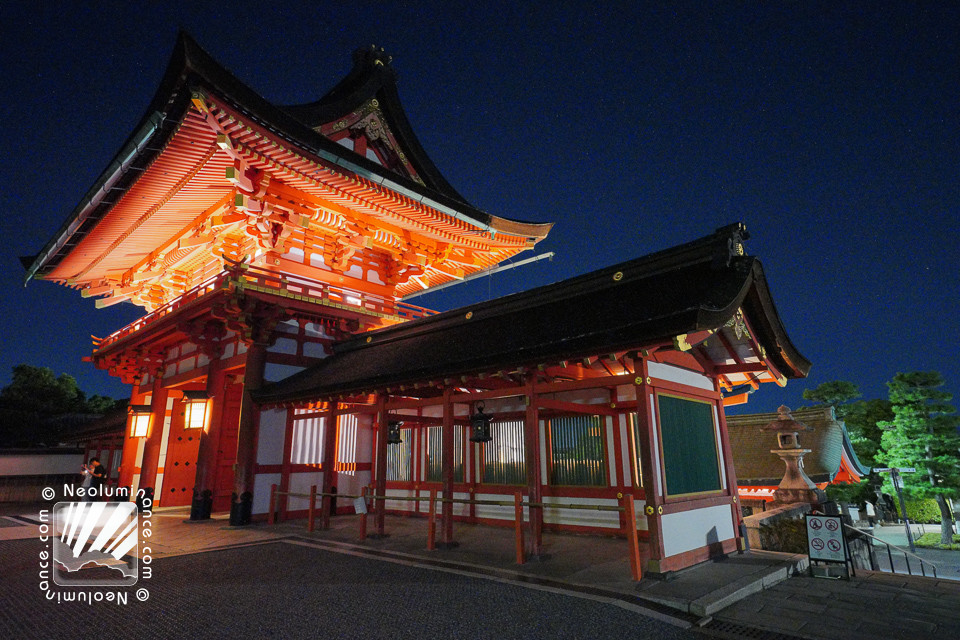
(649, 463)
(330, 429)
(151, 449)
(242, 502)
(209, 443)
(380, 474)
(446, 468)
(285, 464)
(731, 472)
(531, 447)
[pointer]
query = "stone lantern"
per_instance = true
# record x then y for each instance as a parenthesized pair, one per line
(795, 486)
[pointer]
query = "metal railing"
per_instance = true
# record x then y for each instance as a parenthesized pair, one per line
(626, 507)
(246, 277)
(875, 565)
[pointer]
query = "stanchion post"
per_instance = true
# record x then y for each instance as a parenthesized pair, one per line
(311, 510)
(273, 504)
(363, 516)
(631, 521)
(518, 525)
(432, 522)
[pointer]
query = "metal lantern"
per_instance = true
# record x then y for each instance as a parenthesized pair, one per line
(480, 424)
(195, 408)
(393, 432)
(140, 425)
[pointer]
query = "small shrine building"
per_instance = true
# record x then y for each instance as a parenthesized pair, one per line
(271, 247)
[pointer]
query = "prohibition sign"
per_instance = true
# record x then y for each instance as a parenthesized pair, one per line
(815, 523)
(832, 525)
(817, 544)
(833, 545)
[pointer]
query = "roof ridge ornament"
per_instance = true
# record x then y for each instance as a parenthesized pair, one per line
(735, 234)
(373, 56)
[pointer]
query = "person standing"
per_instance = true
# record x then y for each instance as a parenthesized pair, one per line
(87, 482)
(98, 474)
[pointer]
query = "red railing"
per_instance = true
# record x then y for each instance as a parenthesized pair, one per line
(245, 277)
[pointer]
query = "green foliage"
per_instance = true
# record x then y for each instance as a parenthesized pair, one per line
(788, 535)
(922, 434)
(932, 541)
(926, 511)
(35, 399)
(833, 394)
(862, 420)
(855, 493)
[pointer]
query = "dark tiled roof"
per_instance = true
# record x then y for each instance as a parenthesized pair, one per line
(191, 69)
(757, 466)
(698, 285)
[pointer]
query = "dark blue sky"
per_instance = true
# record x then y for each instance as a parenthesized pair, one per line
(834, 134)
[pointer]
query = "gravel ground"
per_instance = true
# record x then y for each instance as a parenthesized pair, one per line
(281, 590)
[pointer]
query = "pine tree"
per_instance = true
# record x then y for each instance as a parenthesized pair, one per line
(923, 434)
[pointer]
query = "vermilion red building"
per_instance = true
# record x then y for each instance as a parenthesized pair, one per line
(271, 247)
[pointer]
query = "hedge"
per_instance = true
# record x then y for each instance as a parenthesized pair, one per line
(925, 511)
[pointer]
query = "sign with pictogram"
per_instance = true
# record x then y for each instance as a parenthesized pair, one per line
(825, 538)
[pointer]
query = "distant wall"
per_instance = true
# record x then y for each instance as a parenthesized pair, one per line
(24, 473)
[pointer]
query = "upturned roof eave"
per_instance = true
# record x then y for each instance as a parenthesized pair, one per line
(191, 68)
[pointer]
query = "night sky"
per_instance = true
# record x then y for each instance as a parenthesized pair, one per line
(833, 134)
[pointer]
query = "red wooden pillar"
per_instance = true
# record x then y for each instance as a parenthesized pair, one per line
(209, 443)
(285, 463)
(380, 474)
(446, 468)
(151, 448)
(330, 429)
(242, 503)
(534, 477)
(649, 463)
(731, 475)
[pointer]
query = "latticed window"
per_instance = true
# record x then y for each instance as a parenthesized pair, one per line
(578, 453)
(307, 445)
(399, 458)
(504, 457)
(435, 454)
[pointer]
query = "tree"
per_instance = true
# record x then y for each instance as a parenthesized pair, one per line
(833, 394)
(923, 434)
(862, 419)
(30, 404)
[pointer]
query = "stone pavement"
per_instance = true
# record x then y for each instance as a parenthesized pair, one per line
(745, 595)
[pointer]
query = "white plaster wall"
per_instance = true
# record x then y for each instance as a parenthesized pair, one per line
(284, 345)
(582, 517)
(497, 512)
(261, 491)
(582, 396)
(678, 375)
(301, 483)
(402, 505)
(40, 464)
(273, 423)
(697, 528)
(273, 372)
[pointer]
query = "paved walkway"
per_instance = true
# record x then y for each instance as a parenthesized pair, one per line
(731, 598)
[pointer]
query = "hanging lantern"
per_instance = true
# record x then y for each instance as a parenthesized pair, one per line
(195, 409)
(393, 432)
(480, 425)
(140, 426)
